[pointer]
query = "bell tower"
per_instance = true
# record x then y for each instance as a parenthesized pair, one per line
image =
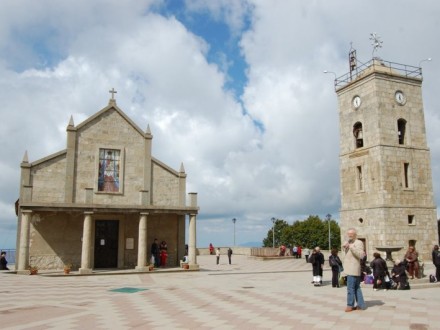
(385, 169)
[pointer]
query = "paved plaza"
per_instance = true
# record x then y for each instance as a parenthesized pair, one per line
(249, 294)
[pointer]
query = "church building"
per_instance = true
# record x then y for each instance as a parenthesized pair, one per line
(101, 202)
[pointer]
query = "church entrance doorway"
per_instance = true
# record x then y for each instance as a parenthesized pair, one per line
(106, 243)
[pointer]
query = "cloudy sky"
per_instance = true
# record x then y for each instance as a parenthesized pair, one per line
(233, 89)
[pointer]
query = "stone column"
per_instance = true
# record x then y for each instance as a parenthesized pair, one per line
(192, 243)
(23, 260)
(142, 244)
(86, 252)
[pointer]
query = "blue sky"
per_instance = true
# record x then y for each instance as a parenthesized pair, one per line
(233, 89)
(222, 38)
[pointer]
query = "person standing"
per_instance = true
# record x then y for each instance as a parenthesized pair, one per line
(436, 261)
(354, 251)
(229, 255)
(412, 259)
(299, 252)
(306, 252)
(155, 252)
(217, 255)
(3, 261)
(163, 248)
(317, 264)
(211, 249)
(336, 265)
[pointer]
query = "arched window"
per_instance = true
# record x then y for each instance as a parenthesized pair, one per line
(358, 135)
(401, 126)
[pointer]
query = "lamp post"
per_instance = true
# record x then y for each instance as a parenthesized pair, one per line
(326, 71)
(329, 216)
(273, 232)
(334, 73)
(425, 60)
(234, 221)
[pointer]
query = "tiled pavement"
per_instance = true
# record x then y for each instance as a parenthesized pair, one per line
(249, 294)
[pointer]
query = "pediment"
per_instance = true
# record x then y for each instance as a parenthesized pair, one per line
(103, 112)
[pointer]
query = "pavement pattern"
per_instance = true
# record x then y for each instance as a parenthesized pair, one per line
(249, 294)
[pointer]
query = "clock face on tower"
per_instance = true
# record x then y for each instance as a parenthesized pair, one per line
(400, 97)
(356, 101)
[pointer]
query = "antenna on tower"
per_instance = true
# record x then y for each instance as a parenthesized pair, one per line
(352, 60)
(375, 42)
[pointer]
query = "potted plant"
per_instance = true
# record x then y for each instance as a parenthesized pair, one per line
(33, 270)
(67, 268)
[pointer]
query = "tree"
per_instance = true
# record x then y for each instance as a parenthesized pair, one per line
(309, 233)
(280, 227)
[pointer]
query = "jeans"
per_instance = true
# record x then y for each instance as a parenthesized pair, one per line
(354, 292)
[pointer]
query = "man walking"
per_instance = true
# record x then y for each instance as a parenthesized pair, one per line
(229, 255)
(354, 251)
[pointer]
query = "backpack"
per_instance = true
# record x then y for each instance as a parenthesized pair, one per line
(332, 261)
(368, 279)
(432, 279)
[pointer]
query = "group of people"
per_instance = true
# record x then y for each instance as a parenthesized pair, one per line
(398, 279)
(354, 268)
(297, 251)
(317, 261)
(217, 254)
(159, 253)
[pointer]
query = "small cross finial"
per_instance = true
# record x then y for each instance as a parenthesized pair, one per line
(113, 92)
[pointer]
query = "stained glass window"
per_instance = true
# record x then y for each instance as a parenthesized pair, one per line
(109, 170)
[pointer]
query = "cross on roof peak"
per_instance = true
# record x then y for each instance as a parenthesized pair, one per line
(113, 92)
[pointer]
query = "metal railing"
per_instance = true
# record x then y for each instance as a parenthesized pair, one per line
(377, 64)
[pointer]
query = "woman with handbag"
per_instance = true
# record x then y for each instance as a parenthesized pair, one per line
(336, 265)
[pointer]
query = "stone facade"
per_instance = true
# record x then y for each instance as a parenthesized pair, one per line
(385, 170)
(101, 202)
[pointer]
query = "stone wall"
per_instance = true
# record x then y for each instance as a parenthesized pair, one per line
(48, 180)
(165, 188)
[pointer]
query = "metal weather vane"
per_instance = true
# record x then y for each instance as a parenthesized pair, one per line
(375, 42)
